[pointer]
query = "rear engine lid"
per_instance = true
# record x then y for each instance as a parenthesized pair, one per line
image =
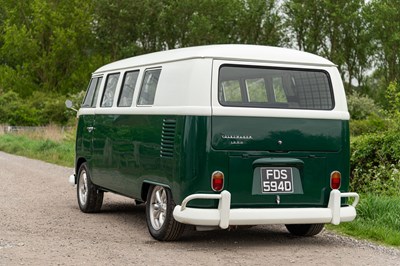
(276, 134)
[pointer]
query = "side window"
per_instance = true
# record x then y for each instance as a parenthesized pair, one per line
(128, 87)
(109, 91)
(96, 93)
(231, 91)
(92, 91)
(256, 90)
(277, 84)
(149, 86)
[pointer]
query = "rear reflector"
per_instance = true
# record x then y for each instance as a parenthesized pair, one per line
(217, 181)
(335, 179)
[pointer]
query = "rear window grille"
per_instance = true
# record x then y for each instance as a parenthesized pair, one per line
(168, 138)
(266, 87)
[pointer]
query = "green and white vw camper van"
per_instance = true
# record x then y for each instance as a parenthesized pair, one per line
(218, 136)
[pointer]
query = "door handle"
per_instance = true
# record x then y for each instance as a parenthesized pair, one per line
(90, 129)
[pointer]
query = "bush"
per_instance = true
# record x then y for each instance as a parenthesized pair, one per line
(372, 124)
(37, 110)
(51, 106)
(375, 163)
(361, 107)
(16, 111)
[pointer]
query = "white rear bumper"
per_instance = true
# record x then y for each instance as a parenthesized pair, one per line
(72, 180)
(225, 216)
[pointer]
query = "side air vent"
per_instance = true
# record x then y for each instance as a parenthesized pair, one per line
(168, 138)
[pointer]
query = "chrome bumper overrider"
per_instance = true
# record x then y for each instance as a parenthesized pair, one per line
(224, 216)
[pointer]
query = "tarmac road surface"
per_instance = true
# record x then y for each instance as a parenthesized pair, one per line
(41, 224)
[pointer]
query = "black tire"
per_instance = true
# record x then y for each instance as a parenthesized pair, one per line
(89, 197)
(160, 221)
(304, 229)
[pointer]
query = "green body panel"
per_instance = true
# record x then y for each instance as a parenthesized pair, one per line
(295, 134)
(127, 151)
(313, 147)
(83, 147)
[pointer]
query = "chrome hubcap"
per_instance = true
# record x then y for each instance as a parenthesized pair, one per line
(83, 191)
(158, 207)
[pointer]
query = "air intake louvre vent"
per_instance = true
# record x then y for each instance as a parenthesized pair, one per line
(168, 138)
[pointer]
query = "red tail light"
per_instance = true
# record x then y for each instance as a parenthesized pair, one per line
(336, 179)
(217, 181)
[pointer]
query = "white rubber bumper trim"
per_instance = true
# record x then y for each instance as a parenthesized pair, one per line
(225, 216)
(71, 180)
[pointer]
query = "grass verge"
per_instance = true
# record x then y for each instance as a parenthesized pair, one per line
(378, 220)
(58, 152)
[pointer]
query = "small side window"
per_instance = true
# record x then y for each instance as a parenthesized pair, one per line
(92, 91)
(231, 91)
(128, 87)
(109, 91)
(256, 90)
(149, 86)
(279, 92)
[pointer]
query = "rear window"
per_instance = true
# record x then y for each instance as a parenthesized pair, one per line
(245, 86)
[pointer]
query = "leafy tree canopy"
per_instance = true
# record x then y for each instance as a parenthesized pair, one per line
(50, 47)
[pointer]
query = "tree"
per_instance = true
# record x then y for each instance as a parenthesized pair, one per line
(357, 47)
(383, 17)
(260, 23)
(128, 28)
(239, 21)
(117, 26)
(334, 29)
(50, 47)
(47, 45)
(304, 20)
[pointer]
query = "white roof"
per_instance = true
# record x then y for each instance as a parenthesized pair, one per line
(236, 52)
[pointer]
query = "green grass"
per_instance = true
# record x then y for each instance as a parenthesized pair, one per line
(57, 152)
(378, 220)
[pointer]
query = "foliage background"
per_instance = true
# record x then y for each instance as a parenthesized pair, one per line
(48, 48)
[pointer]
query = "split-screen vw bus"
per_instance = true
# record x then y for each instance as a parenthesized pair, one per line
(218, 136)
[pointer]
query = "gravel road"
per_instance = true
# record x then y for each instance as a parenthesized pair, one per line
(41, 224)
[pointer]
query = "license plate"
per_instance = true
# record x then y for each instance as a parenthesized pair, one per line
(276, 180)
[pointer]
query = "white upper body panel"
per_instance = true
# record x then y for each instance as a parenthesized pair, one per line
(188, 83)
(234, 52)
